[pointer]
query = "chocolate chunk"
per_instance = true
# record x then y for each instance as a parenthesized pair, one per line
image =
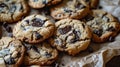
(19, 54)
(2, 5)
(35, 48)
(89, 17)
(76, 37)
(98, 32)
(10, 61)
(48, 54)
(27, 21)
(83, 25)
(37, 36)
(111, 29)
(100, 7)
(9, 29)
(87, 0)
(37, 22)
(111, 39)
(65, 29)
(67, 10)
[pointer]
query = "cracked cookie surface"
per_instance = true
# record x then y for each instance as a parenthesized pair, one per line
(76, 9)
(34, 29)
(71, 36)
(40, 54)
(12, 10)
(42, 3)
(11, 52)
(102, 24)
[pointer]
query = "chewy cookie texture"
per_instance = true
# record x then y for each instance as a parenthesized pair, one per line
(40, 54)
(75, 9)
(103, 25)
(11, 52)
(42, 3)
(71, 36)
(34, 29)
(12, 11)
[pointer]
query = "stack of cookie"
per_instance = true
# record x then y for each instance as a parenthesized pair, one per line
(36, 40)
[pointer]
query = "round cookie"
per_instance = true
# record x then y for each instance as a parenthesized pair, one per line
(34, 29)
(71, 36)
(42, 3)
(11, 52)
(40, 54)
(76, 9)
(103, 25)
(92, 3)
(12, 10)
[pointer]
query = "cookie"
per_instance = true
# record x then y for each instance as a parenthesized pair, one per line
(92, 3)
(11, 52)
(42, 3)
(76, 9)
(34, 29)
(102, 24)
(12, 10)
(40, 54)
(71, 36)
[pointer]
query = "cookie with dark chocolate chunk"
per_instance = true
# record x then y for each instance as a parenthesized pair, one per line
(71, 36)
(74, 9)
(13, 10)
(42, 3)
(34, 29)
(40, 54)
(11, 52)
(103, 25)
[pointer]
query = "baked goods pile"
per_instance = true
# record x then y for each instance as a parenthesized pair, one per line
(36, 39)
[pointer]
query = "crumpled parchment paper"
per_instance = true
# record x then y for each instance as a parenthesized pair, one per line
(102, 52)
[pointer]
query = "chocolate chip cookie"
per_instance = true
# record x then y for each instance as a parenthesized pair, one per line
(42, 3)
(92, 3)
(71, 36)
(11, 52)
(102, 24)
(12, 10)
(40, 54)
(70, 9)
(34, 29)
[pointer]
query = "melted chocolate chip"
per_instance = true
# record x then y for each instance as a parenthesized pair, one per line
(9, 29)
(65, 29)
(37, 36)
(37, 22)
(48, 54)
(76, 37)
(83, 25)
(10, 61)
(87, 0)
(98, 32)
(27, 21)
(35, 48)
(89, 17)
(111, 29)
(67, 10)
(2, 5)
